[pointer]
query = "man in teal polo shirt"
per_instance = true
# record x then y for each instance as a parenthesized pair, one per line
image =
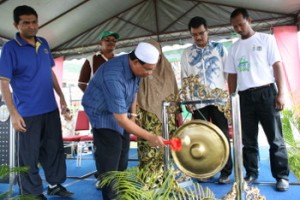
(26, 65)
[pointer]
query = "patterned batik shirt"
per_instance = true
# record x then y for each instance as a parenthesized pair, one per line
(208, 64)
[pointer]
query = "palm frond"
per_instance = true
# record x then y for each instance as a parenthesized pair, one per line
(6, 170)
(289, 119)
(135, 184)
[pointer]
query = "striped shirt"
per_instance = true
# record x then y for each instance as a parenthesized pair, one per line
(111, 90)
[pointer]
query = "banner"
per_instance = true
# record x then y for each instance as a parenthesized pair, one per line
(287, 41)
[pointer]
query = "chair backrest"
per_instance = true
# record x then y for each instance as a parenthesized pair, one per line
(82, 121)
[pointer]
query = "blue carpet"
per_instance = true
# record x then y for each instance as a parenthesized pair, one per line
(88, 164)
(85, 188)
(265, 183)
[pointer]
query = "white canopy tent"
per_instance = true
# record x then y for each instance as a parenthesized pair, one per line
(72, 27)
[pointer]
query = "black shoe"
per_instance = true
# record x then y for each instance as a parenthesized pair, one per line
(282, 185)
(223, 179)
(59, 190)
(250, 179)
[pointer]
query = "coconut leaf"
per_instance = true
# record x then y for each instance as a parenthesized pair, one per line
(6, 170)
(289, 118)
(4, 173)
(131, 185)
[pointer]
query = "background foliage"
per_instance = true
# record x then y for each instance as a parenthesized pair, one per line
(291, 128)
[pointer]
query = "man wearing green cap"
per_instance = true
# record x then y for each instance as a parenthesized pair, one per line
(107, 42)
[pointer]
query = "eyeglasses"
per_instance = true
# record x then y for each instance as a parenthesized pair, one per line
(198, 34)
(110, 40)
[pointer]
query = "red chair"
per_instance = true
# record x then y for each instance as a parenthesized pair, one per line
(86, 138)
(70, 143)
(75, 138)
(86, 141)
(82, 125)
(82, 121)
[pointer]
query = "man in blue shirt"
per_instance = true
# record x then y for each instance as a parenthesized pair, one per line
(109, 96)
(25, 65)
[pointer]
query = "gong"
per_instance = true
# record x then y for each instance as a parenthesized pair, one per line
(204, 150)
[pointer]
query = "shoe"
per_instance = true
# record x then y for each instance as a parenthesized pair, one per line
(282, 185)
(59, 190)
(98, 187)
(250, 179)
(223, 179)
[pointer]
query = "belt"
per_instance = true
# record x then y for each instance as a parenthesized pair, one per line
(258, 88)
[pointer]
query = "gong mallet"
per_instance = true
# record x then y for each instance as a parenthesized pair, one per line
(175, 143)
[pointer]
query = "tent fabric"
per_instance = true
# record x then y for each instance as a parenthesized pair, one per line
(287, 41)
(73, 26)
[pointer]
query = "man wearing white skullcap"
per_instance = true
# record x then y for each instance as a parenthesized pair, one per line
(147, 53)
(111, 93)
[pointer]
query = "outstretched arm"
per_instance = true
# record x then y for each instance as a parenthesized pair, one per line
(131, 127)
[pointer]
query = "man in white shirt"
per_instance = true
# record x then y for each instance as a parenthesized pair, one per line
(255, 71)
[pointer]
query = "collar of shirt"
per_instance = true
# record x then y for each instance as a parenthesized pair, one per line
(209, 44)
(22, 42)
(128, 74)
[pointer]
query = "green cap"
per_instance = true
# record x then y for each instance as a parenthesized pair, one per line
(108, 33)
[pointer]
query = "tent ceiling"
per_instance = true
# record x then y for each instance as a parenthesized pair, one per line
(72, 27)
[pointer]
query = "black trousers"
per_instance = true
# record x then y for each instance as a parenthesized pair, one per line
(111, 154)
(211, 113)
(258, 106)
(42, 143)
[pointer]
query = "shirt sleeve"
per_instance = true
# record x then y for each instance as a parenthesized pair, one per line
(85, 72)
(273, 51)
(6, 62)
(224, 59)
(184, 65)
(229, 63)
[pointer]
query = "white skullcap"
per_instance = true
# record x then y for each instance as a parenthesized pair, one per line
(147, 53)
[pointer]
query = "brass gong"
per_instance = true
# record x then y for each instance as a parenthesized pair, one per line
(204, 150)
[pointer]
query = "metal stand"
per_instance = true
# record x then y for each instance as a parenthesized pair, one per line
(7, 144)
(239, 191)
(165, 134)
(237, 150)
